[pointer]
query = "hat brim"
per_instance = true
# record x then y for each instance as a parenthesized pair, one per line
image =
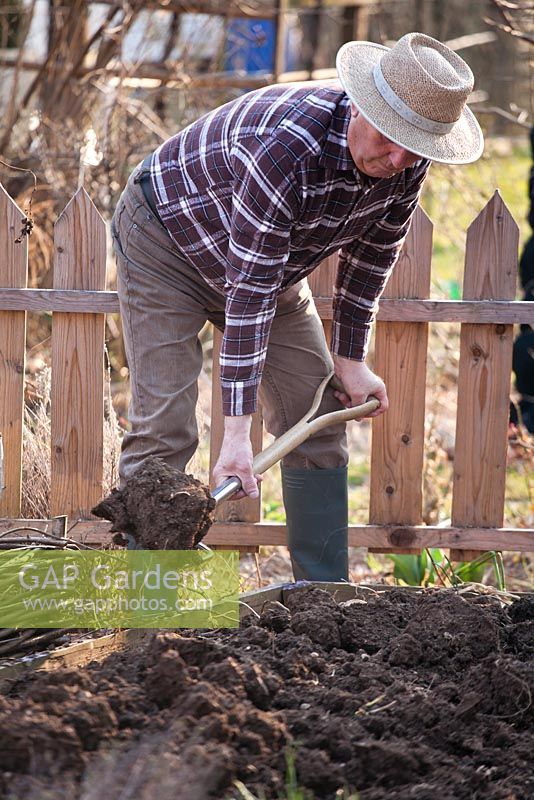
(461, 145)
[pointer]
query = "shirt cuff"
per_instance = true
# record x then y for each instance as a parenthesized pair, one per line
(239, 397)
(350, 340)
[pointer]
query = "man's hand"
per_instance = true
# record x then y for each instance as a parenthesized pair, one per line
(235, 458)
(359, 382)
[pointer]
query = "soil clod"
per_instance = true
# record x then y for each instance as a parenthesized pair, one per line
(163, 508)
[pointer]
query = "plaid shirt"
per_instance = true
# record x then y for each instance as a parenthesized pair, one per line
(257, 194)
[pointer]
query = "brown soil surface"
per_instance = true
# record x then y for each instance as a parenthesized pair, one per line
(164, 509)
(397, 695)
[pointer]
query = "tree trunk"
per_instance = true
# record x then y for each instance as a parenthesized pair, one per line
(60, 97)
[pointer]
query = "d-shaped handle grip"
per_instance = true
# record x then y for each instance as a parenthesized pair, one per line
(303, 429)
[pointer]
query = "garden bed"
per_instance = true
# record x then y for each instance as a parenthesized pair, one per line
(394, 694)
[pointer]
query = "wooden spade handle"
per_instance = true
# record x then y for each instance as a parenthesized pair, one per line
(304, 428)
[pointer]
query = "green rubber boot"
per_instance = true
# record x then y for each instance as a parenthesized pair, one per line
(316, 506)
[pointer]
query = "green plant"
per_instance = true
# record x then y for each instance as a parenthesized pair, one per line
(292, 790)
(433, 567)
(413, 570)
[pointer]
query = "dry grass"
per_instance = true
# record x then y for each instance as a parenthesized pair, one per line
(36, 439)
(112, 439)
(37, 443)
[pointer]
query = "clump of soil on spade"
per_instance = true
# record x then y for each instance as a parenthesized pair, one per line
(393, 694)
(162, 507)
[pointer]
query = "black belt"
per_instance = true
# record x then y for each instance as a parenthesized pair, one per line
(145, 182)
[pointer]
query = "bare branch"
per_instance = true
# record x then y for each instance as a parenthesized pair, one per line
(226, 8)
(521, 119)
(514, 6)
(139, 110)
(508, 19)
(471, 40)
(11, 114)
(526, 37)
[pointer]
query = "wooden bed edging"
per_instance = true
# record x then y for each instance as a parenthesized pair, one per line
(74, 655)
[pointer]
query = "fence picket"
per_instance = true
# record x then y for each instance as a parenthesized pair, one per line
(400, 359)
(321, 283)
(77, 362)
(245, 510)
(484, 375)
(14, 274)
(322, 280)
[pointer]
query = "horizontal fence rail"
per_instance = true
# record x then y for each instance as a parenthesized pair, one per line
(486, 315)
(78, 301)
(378, 538)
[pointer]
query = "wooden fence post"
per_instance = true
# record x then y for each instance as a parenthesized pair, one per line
(77, 362)
(400, 359)
(484, 376)
(321, 282)
(247, 509)
(13, 274)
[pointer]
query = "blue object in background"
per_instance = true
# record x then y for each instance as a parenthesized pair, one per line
(250, 46)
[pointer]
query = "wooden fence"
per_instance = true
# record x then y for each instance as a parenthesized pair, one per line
(486, 314)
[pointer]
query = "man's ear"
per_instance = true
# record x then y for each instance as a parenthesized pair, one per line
(353, 110)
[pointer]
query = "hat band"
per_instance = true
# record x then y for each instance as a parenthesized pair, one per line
(407, 113)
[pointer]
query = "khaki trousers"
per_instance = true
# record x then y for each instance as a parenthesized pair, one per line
(164, 304)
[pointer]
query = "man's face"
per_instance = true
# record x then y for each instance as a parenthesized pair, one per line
(373, 153)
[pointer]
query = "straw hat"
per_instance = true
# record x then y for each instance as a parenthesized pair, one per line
(415, 94)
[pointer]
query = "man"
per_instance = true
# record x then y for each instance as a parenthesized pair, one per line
(224, 221)
(523, 359)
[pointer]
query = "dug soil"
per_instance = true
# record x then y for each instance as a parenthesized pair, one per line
(160, 506)
(394, 695)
